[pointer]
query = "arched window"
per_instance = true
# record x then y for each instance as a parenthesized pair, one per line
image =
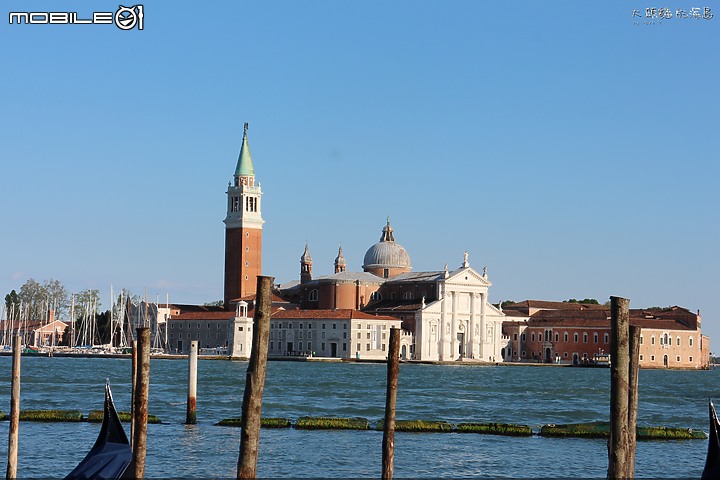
(313, 297)
(690, 341)
(652, 340)
(666, 340)
(408, 296)
(375, 296)
(606, 338)
(677, 341)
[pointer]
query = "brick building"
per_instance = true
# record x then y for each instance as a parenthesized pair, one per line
(559, 332)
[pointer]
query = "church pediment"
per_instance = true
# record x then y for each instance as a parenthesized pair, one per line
(467, 276)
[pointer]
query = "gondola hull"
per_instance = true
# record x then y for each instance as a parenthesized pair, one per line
(111, 455)
(712, 463)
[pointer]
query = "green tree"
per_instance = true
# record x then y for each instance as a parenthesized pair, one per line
(40, 299)
(590, 301)
(507, 303)
(216, 303)
(12, 305)
(32, 297)
(88, 299)
(57, 297)
(102, 322)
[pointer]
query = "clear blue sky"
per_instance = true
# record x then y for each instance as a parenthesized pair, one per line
(570, 150)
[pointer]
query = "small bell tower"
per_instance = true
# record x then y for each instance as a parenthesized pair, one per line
(306, 266)
(340, 263)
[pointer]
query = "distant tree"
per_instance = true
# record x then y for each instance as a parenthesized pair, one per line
(31, 296)
(507, 303)
(57, 297)
(12, 305)
(590, 301)
(102, 321)
(216, 303)
(86, 299)
(40, 299)
(67, 336)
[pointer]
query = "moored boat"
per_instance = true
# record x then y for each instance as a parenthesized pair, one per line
(111, 455)
(712, 463)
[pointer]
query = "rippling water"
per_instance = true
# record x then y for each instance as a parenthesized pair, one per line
(524, 395)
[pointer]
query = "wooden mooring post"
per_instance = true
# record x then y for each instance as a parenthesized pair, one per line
(191, 416)
(623, 390)
(13, 436)
(255, 380)
(393, 371)
(140, 401)
(633, 391)
(133, 350)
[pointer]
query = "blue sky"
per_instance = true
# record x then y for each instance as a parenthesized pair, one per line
(567, 146)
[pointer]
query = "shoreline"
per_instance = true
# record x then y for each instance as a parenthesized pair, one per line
(466, 362)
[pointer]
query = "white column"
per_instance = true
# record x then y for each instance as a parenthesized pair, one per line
(441, 326)
(483, 332)
(453, 327)
(470, 340)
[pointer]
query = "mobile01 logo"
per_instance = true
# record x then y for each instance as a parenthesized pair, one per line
(125, 18)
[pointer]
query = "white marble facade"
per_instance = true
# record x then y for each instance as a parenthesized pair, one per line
(461, 324)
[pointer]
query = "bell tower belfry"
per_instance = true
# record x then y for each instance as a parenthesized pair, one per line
(243, 229)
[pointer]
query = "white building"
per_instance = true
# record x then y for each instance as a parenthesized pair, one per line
(338, 333)
(461, 323)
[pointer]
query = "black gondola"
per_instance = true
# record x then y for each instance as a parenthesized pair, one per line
(712, 464)
(111, 454)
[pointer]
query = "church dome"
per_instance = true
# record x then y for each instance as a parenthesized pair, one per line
(387, 253)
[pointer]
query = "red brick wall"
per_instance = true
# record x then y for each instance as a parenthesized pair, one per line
(243, 262)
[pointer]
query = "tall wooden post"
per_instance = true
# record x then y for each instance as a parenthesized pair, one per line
(133, 350)
(255, 380)
(619, 388)
(141, 401)
(191, 416)
(633, 392)
(13, 436)
(393, 371)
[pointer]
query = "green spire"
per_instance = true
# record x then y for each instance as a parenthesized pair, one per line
(244, 166)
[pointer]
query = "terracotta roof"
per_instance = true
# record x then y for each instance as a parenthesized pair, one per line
(196, 308)
(199, 315)
(338, 314)
(28, 325)
(672, 318)
(554, 305)
(251, 298)
(224, 315)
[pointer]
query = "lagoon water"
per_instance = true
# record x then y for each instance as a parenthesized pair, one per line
(456, 393)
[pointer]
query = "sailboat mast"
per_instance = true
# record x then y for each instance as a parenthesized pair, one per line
(112, 327)
(72, 320)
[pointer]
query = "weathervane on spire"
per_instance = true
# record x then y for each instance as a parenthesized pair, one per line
(245, 127)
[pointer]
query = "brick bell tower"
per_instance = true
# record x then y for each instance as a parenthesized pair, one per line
(243, 230)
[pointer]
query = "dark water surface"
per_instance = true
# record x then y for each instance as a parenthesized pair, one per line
(524, 395)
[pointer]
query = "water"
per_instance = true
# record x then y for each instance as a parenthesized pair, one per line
(523, 395)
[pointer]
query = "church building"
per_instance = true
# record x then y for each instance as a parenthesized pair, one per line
(445, 315)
